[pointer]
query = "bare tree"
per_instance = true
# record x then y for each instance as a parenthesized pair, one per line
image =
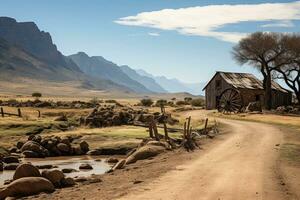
(263, 51)
(290, 71)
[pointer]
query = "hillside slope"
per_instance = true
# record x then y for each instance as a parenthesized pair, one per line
(148, 82)
(99, 67)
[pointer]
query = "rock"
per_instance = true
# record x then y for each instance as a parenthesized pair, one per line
(68, 182)
(65, 140)
(77, 150)
(30, 154)
(85, 166)
(20, 144)
(6, 182)
(84, 146)
(119, 165)
(254, 106)
(68, 170)
(13, 149)
(55, 176)
(144, 152)
(62, 147)
(80, 179)
(27, 186)
(45, 166)
(11, 166)
(1, 166)
(112, 160)
(26, 170)
(95, 152)
(137, 182)
(35, 147)
(37, 139)
(10, 159)
(62, 118)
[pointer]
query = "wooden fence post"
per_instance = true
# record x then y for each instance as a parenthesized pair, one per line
(19, 112)
(205, 127)
(166, 131)
(2, 112)
(151, 129)
(39, 113)
(155, 130)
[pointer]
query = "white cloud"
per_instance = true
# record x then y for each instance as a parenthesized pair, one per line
(154, 34)
(206, 20)
(286, 24)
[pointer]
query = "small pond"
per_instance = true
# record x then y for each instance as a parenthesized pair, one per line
(98, 163)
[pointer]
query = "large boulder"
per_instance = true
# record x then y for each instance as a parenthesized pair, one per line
(26, 170)
(26, 186)
(35, 147)
(55, 176)
(64, 148)
(84, 146)
(144, 152)
(10, 159)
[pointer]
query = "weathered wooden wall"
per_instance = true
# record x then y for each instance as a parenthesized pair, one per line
(211, 92)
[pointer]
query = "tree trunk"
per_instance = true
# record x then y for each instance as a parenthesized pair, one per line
(268, 92)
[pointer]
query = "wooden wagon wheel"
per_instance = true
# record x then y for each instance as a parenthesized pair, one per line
(230, 101)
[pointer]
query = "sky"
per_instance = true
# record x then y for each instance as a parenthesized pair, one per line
(184, 39)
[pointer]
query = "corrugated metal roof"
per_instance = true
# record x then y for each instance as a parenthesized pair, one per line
(246, 81)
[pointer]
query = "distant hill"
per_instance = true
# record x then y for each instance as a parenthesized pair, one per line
(148, 82)
(99, 67)
(27, 52)
(174, 85)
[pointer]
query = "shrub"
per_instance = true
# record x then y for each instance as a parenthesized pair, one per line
(197, 102)
(110, 101)
(161, 102)
(94, 101)
(181, 103)
(146, 102)
(36, 94)
(188, 99)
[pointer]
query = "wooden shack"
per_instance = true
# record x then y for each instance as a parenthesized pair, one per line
(249, 87)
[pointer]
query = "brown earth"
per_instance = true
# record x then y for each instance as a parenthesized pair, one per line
(242, 164)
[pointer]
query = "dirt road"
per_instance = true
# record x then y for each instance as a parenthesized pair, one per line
(243, 166)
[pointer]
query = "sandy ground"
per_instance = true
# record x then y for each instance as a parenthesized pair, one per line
(244, 166)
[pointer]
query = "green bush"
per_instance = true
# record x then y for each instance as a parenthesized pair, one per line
(36, 94)
(146, 102)
(161, 102)
(197, 102)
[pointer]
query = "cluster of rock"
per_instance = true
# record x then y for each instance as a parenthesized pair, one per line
(47, 104)
(28, 180)
(40, 147)
(115, 116)
(288, 109)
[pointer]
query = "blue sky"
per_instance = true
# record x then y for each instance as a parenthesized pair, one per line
(186, 44)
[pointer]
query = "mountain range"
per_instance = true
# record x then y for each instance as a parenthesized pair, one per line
(27, 52)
